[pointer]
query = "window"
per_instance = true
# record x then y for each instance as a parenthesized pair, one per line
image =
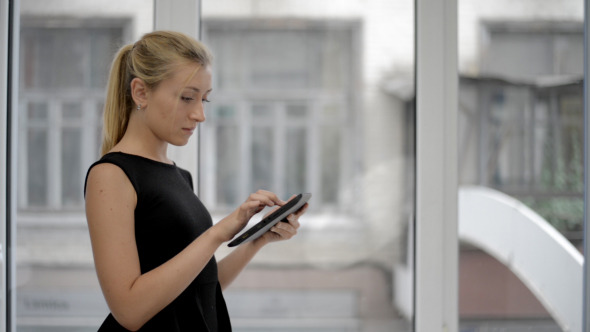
(298, 106)
(286, 116)
(64, 59)
(61, 98)
(527, 105)
(521, 133)
(532, 49)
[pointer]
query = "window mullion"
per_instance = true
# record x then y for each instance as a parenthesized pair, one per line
(586, 311)
(54, 147)
(87, 155)
(245, 128)
(280, 148)
(314, 159)
(4, 162)
(23, 180)
(436, 238)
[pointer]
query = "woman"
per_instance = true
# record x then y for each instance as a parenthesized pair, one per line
(152, 239)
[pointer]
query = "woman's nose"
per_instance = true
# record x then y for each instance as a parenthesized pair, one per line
(198, 113)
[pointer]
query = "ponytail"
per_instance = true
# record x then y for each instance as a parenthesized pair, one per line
(118, 103)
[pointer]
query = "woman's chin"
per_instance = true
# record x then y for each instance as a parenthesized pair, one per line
(179, 142)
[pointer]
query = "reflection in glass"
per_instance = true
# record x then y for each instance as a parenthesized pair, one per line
(295, 111)
(37, 111)
(313, 113)
(521, 133)
(71, 111)
(330, 153)
(296, 161)
(227, 164)
(261, 112)
(262, 158)
(36, 171)
(71, 169)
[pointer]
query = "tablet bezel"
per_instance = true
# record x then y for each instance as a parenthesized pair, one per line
(250, 235)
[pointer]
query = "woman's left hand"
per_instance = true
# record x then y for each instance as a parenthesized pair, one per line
(284, 230)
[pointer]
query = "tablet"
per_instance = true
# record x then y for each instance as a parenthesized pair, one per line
(265, 224)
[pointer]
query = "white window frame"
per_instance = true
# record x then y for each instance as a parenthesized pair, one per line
(586, 295)
(436, 251)
(4, 31)
(9, 36)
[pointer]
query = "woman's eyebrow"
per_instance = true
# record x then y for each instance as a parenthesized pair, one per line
(197, 89)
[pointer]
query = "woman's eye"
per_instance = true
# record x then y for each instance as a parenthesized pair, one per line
(187, 99)
(206, 100)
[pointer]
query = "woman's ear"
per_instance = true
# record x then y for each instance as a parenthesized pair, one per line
(139, 92)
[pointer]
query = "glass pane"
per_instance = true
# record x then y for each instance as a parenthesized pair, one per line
(294, 49)
(331, 112)
(224, 112)
(330, 153)
(227, 165)
(312, 56)
(262, 112)
(297, 111)
(37, 167)
(314, 93)
(71, 144)
(38, 111)
(66, 49)
(89, 51)
(71, 111)
(296, 163)
(521, 164)
(262, 159)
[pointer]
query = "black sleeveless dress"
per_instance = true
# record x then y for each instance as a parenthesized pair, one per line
(168, 217)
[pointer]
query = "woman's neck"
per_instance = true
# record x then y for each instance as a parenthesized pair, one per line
(140, 141)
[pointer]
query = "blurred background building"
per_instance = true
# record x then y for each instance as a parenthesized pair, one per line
(309, 96)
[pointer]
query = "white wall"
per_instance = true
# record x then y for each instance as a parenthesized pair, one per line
(139, 11)
(472, 12)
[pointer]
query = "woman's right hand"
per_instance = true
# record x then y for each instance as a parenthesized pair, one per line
(231, 225)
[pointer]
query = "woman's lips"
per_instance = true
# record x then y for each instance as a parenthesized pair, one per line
(189, 130)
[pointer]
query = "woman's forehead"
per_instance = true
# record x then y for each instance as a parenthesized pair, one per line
(192, 75)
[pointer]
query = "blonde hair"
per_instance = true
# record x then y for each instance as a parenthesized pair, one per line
(152, 59)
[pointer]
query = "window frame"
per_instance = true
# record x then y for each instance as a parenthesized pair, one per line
(586, 287)
(554, 32)
(88, 97)
(436, 225)
(9, 39)
(4, 37)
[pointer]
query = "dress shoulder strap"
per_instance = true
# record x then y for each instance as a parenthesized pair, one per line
(120, 160)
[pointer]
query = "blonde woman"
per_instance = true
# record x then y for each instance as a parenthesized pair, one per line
(153, 240)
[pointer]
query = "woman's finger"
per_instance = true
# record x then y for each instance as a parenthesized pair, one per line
(266, 197)
(285, 230)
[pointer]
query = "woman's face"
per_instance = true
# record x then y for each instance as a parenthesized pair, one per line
(176, 105)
